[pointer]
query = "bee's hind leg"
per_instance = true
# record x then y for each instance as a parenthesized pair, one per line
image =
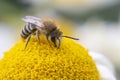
(28, 39)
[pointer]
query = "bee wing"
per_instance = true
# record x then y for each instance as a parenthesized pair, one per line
(32, 17)
(33, 20)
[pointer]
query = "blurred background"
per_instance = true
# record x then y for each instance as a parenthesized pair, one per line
(95, 22)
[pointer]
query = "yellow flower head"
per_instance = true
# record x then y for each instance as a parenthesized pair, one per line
(45, 62)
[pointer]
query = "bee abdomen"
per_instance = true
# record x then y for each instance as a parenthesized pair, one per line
(27, 30)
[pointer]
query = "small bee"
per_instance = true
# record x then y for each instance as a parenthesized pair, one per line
(39, 26)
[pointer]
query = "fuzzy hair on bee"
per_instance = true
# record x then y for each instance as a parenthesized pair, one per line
(39, 26)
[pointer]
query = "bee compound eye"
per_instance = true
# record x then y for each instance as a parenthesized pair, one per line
(52, 36)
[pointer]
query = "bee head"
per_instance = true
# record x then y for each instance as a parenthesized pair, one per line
(57, 33)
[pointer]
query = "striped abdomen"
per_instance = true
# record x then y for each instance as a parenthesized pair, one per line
(27, 30)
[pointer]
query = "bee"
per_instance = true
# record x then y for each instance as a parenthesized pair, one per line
(39, 26)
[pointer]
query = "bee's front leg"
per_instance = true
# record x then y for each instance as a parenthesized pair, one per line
(53, 39)
(47, 37)
(59, 42)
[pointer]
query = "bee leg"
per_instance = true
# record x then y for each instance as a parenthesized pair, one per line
(53, 39)
(28, 39)
(47, 37)
(38, 36)
(59, 42)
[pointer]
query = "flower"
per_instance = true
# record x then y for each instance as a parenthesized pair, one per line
(104, 66)
(46, 62)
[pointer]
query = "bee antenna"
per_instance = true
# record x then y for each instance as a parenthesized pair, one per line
(70, 37)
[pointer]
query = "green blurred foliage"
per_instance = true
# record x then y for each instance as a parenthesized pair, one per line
(10, 10)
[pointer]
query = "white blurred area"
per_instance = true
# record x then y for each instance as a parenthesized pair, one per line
(95, 33)
(7, 39)
(101, 36)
